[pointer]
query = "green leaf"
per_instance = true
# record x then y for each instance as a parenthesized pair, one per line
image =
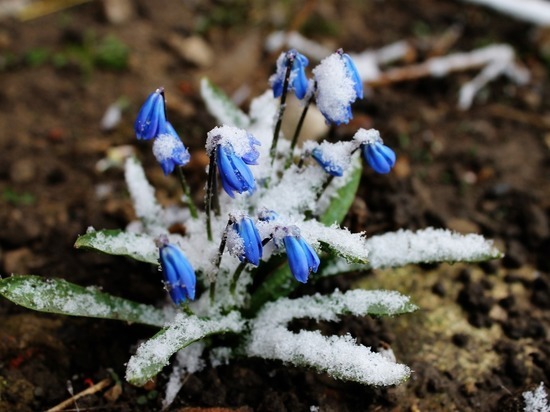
(154, 354)
(221, 107)
(65, 298)
(344, 196)
(116, 242)
(279, 283)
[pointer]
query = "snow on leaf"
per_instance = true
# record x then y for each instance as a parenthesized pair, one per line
(116, 242)
(428, 245)
(65, 298)
(155, 353)
(221, 107)
(339, 356)
(143, 197)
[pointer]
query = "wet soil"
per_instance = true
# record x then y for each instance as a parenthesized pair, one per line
(481, 337)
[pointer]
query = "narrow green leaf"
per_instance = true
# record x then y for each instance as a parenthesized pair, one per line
(344, 196)
(279, 283)
(221, 107)
(65, 298)
(154, 354)
(116, 242)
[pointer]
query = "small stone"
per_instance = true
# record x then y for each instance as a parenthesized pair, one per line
(193, 49)
(118, 11)
(23, 171)
(463, 226)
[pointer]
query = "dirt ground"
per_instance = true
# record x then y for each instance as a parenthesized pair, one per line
(482, 335)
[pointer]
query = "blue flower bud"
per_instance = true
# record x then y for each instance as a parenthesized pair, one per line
(267, 215)
(353, 74)
(331, 167)
(301, 257)
(379, 156)
(234, 173)
(151, 119)
(252, 243)
(179, 276)
(169, 150)
(297, 81)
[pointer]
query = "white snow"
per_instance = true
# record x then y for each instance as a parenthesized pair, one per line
(339, 356)
(429, 245)
(143, 197)
(152, 355)
(335, 88)
(536, 401)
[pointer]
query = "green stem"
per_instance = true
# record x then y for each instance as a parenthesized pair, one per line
(297, 131)
(187, 194)
(236, 277)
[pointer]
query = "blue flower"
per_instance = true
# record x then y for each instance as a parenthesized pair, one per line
(379, 156)
(301, 257)
(353, 73)
(297, 81)
(330, 166)
(169, 150)
(252, 243)
(151, 119)
(252, 155)
(234, 172)
(338, 85)
(267, 215)
(179, 276)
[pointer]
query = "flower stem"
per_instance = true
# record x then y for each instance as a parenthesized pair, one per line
(187, 194)
(210, 189)
(282, 106)
(297, 132)
(236, 277)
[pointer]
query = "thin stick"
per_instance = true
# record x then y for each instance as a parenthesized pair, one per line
(297, 131)
(282, 106)
(89, 391)
(209, 193)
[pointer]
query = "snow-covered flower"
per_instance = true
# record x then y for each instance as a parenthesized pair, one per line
(169, 150)
(234, 149)
(338, 86)
(379, 156)
(297, 81)
(234, 172)
(179, 276)
(151, 119)
(302, 259)
(248, 245)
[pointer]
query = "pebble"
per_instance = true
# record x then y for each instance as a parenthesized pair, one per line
(23, 171)
(118, 11)
(193, 49)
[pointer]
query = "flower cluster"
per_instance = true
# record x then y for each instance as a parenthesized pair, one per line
(336, 84)
(151, 123)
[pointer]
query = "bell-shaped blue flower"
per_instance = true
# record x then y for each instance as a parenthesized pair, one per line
(234, 172)
(252, 248)
(179, 276)
(169, 150)
(297, 81)
(301, 257)
(151, 119)
(329, 165)
(353, 73)
(379, 156)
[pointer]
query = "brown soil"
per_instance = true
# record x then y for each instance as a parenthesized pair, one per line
(482, 335)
